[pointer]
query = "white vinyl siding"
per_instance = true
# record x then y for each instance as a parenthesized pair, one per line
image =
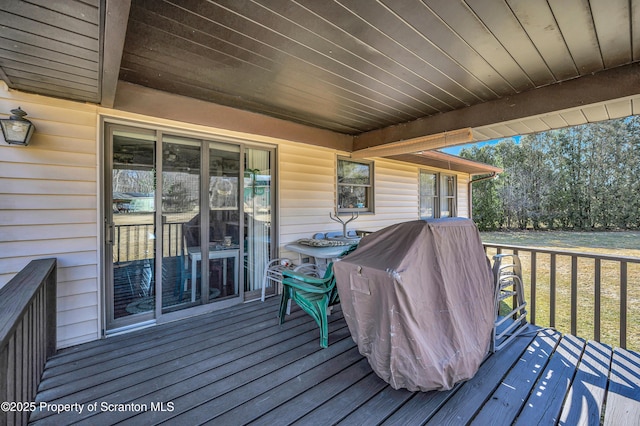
(48, 207)
(307, 193)
(463, 194)
(306, 183)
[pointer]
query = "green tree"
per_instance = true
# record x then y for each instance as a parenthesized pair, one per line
(584, 177)
(486, 212)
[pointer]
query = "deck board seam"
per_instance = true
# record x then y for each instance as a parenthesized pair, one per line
(357, 359)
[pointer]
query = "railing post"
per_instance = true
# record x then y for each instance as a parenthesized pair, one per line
(50, 312)
(552, 290)
(514, 299)
(4, 379)
(596, 299)
(574, 295)
(623, 304)
(532, 312)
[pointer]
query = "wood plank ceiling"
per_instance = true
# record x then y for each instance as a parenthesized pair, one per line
(353, 66)
(380, 71)
(52, 47)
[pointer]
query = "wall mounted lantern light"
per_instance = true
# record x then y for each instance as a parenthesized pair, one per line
(16, 129)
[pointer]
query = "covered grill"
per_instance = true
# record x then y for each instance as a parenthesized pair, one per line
(418, 298)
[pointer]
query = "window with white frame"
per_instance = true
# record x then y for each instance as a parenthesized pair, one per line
(437, 195)
(354, 186)
(447, 196)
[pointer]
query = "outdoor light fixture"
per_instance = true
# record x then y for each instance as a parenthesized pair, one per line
(16, 129)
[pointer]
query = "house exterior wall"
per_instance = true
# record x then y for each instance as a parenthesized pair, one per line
(463, 195)
(308, 184)
(50, 195)
(48, 206)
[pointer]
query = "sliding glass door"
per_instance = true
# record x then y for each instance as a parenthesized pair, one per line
(183, 199)
(258, 207)
(224, 235)
(130, 226)
(201, 217)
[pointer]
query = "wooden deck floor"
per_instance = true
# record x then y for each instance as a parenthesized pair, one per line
(238, 366)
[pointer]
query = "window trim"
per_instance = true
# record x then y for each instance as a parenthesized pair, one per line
(438, 197)
(454, 197)
(369, 188)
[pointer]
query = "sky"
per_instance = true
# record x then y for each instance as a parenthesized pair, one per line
(455, 150)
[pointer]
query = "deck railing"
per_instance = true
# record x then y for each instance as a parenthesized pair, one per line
(27, 337)
(594, 296)
(136, 242)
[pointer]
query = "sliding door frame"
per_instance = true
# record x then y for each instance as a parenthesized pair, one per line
(106, 167)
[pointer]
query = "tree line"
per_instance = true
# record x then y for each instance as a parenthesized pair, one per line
(581, 178)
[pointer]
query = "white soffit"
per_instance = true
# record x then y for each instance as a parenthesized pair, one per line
(616, 108)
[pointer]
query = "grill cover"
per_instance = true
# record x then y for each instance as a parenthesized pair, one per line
(418, 300)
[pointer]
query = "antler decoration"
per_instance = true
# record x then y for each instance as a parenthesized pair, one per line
(354, 216)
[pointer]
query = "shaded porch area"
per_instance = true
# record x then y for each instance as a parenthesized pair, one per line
(238, 366)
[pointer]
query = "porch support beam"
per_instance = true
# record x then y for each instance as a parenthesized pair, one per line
(603, 86)
(423, 143)
(141, 100)
(444, 161)
(116, 16)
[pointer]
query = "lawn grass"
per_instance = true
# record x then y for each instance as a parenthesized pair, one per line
(612, 243)
(620, 243)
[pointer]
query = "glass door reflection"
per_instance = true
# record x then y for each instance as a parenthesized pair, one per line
(130, 220)
(224, 221)
(181, 222)
(199, 176)
(258, 199)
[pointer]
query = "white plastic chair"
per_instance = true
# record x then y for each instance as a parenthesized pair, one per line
(507, 279)
(310, 269)
(273, 273)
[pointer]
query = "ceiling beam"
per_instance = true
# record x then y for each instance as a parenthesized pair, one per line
(116, 17)
(3, 76)
(444, 161)
(155, 103)
(423, 143)
(599, 87)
